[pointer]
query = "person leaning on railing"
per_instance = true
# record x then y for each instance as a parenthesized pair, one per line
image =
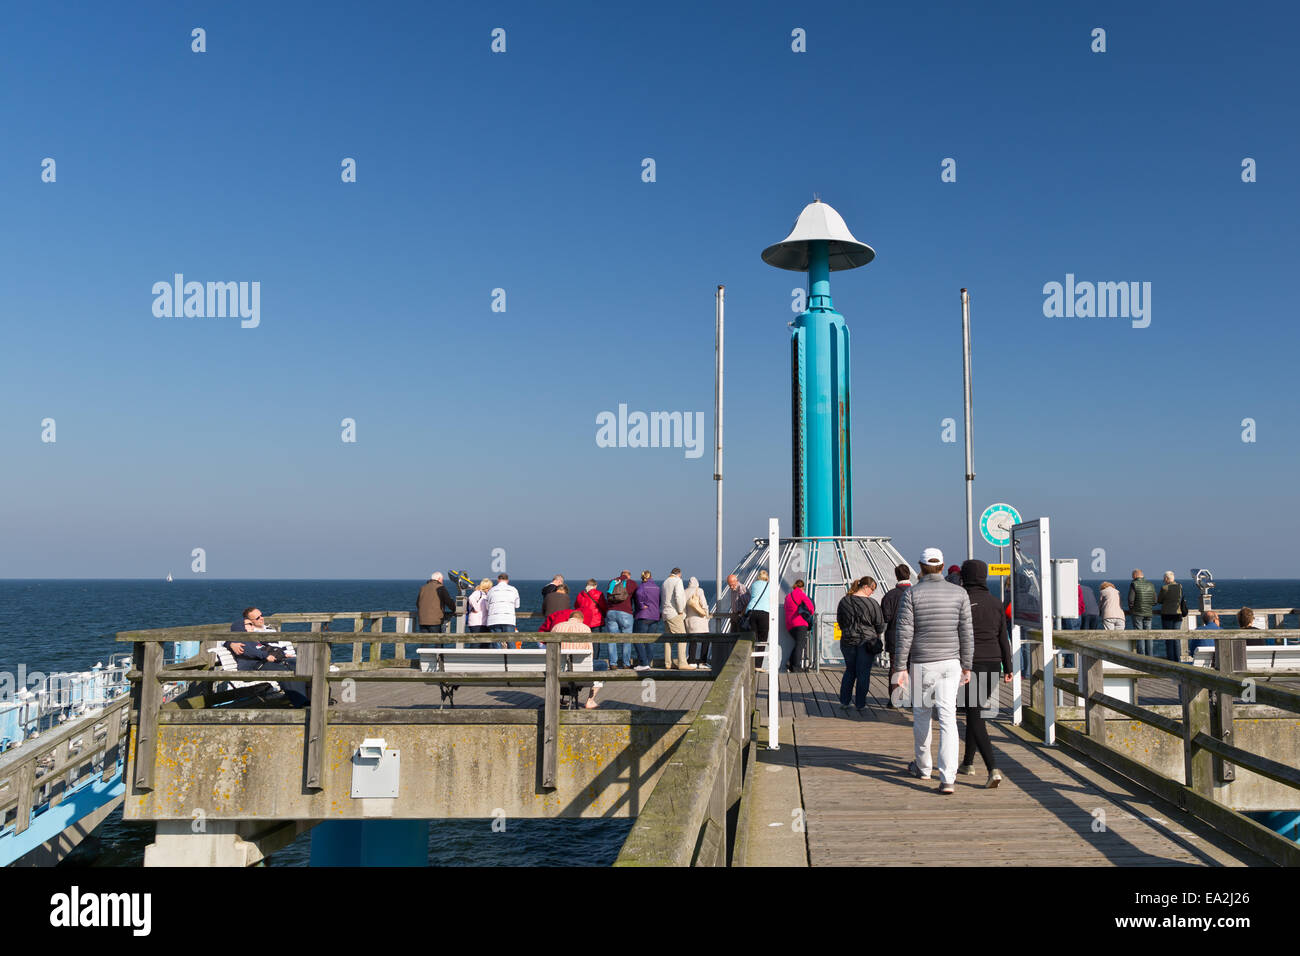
(757, 609)
(1141, 598)
(1172, 610)
(1112, 611)
(434, 605)
(476, 611)
(697, 622)
(672, 610)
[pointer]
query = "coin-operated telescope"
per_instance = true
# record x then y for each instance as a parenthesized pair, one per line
(1205, 583)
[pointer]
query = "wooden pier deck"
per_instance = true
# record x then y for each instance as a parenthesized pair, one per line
(863, 809)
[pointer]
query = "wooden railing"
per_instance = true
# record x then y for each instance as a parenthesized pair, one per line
(1205, 728)
(313, 667)
(49, 767)
(688, 819)
(1267, 614)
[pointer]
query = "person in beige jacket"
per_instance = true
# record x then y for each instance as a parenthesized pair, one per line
(697, 610)
(1112, 609)
(672, 611)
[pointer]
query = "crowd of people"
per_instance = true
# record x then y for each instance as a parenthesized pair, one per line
(1106, 610)
(936, 638)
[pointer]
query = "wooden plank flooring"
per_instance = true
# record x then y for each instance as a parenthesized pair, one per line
(863, 809)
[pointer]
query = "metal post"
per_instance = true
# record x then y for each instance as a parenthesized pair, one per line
(1049, 652)
(970, 457)
(773, 638)
(1017, 700)
(717, 450)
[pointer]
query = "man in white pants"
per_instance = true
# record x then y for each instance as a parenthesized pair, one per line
(933, 650)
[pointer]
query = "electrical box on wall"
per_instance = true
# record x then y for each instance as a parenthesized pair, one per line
(376, 770)
(1065, 587)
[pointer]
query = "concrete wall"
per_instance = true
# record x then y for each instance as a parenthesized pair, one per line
(461, 763)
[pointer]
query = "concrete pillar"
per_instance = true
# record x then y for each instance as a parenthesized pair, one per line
(218, 844)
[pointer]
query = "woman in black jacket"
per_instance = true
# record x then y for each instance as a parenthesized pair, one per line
(992, 656)
(862, 625)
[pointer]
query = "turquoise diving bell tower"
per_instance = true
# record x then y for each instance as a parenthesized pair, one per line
(822, 480)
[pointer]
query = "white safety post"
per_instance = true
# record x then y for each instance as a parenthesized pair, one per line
(773, 642)
(1049, 654)
(1016, 700)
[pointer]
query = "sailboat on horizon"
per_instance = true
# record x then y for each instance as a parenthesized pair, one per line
(169, 577)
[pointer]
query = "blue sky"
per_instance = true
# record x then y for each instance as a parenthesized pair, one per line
(522, 171)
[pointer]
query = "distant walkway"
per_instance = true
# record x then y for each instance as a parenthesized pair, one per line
(863, 809)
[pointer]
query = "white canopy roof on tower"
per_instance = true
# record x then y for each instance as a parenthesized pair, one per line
(819, 221)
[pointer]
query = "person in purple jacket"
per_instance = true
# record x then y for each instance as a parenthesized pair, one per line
(646, 619)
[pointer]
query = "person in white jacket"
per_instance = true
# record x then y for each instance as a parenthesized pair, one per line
(502, 602)
(672, 611)
(476, 610)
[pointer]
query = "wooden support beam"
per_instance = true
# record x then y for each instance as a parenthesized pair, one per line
(149, 699)
(1198, 771)
(1221, 729)
(1094, 713)
(376, 647)
(23, 788)
(316, 718)
(551, 717)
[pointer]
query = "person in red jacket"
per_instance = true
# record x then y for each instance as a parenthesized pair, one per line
(591, 602)
(559, 617)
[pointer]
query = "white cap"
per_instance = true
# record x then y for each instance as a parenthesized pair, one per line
(932, 556)
(818, 221)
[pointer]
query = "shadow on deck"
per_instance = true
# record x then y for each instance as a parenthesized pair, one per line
(863, 809)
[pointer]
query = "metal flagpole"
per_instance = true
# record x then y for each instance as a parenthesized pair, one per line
(717, 451)
(1002, 590)
(970, 458)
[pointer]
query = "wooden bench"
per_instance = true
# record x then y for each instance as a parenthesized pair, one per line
(225, 661)
(504, 661)
(1259, 657)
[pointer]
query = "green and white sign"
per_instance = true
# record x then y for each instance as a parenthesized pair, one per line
(996, 523)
